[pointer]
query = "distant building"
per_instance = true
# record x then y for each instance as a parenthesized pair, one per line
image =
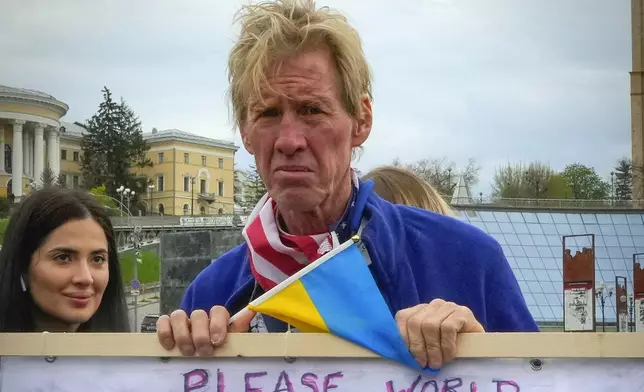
(190, 170)
(29, 138)
(191, 174)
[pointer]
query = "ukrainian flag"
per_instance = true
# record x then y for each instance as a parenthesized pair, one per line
(336, 294)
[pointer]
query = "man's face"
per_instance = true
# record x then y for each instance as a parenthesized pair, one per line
(301, 135)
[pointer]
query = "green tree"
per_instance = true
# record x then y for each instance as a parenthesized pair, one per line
(535, 180)
(5, 207)
(47, 177)
(585, 183)
(3, 228)
(61, 180)
(255, 187)
(100, 192)
(623, 187)
(112, 146)
(238, 187)
(442, 174)
(508, 182)
(558, 188)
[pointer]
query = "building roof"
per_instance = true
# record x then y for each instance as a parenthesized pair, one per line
(182, 136)
(461, 192)
(23, 94)
(23, 91)
(72, 130)
(75, 131)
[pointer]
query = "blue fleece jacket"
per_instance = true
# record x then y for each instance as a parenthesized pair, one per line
(416, 256)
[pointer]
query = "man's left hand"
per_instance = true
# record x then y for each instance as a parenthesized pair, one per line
(430, 330)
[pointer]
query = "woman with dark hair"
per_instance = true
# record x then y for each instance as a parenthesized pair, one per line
(59, 269)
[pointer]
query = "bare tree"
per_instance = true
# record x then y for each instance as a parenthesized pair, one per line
(441, 173)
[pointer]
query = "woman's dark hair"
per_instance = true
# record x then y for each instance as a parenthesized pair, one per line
(38, 214)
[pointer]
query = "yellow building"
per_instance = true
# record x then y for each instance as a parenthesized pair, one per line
(191, 174)
(29, 137)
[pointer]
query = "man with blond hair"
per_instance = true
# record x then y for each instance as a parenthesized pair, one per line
(300, 88)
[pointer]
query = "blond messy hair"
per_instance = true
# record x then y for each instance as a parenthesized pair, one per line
(273, 30)
(401, 186)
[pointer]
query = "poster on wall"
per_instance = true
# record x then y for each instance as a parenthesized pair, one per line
(578, 306)
(579, 283)
(639, 313)
(638, 295)
(621, 305)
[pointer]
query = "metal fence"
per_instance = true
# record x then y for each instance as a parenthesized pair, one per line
(145, 288)
(545, 203)
(161, 222)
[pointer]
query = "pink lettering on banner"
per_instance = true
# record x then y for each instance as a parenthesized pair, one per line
(310, 380)
(247, 380)
(451, 385)
(502, 384)
(283, 378)
(329, 379)
(195, 379)
(427, 385)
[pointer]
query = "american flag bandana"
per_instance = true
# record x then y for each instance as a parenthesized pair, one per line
(274, 254)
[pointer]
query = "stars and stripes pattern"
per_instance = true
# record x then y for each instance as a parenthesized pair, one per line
(274, 254)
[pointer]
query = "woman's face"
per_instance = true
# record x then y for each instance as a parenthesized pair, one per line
(68, 274)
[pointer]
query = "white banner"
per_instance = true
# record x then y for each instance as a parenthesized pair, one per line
(113, 374)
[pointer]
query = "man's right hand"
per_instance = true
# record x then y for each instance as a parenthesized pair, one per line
(200, 333)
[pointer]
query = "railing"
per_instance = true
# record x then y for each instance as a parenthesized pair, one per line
(146, 287)
(207, 196)
(545, 203)
(229, 220)
(147, 222)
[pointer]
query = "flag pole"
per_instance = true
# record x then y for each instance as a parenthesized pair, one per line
(286, 282)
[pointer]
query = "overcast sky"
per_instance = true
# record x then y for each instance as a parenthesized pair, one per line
(497, 80)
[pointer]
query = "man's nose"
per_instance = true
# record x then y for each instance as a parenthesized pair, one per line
(291, 137)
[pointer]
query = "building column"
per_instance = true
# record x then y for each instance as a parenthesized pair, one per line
(31, 153)
(25, 152)
(2, 168)
(16, 160)
(51, 148)
(39, 151)
(57, 154)
(637, 101)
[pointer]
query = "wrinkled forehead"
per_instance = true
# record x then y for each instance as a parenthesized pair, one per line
(301, 75)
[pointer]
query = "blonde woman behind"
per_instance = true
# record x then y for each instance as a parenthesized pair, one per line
(401, 186)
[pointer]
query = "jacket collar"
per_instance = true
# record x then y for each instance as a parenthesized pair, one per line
(378, 235)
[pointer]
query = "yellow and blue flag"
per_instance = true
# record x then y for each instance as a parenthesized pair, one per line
(337, 294)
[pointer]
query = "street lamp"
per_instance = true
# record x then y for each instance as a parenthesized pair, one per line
(120, 190)
(151, 188)
(602, 296)
(128, 194)
(631, 308)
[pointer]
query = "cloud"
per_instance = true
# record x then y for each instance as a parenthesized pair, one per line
(500, 80)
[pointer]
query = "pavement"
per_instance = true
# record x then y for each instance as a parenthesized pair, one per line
(147, 304)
